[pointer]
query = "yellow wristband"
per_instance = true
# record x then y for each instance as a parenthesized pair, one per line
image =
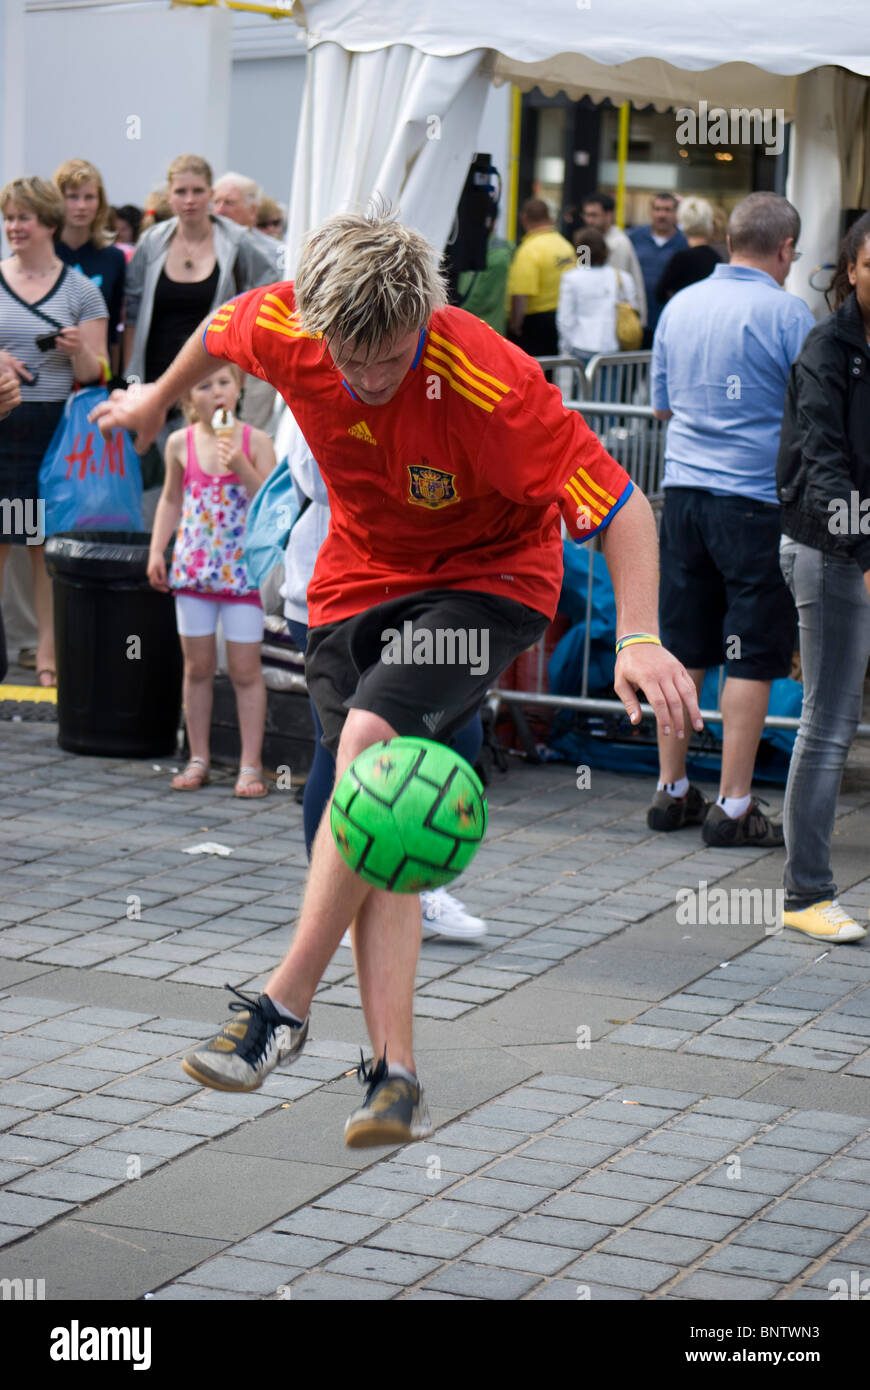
(632, 639)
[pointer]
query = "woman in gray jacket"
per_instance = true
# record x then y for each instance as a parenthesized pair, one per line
(181, 270)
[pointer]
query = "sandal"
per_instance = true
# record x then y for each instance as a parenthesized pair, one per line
(194, 776)
(51, 683)
(255, 779)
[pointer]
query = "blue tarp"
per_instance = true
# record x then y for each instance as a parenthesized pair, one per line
(566, 669)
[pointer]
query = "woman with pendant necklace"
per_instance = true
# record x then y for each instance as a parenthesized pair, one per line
(182, 270)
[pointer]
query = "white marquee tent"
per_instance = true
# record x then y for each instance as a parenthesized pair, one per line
(394, 91)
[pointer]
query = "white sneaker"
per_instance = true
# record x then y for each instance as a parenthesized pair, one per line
(446, 916)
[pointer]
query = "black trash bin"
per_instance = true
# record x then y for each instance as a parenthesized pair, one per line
(119, 663)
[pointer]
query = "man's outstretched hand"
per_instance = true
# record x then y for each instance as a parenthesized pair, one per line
(138, 409)
(665, 682)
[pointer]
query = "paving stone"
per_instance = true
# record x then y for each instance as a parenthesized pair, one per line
(570, 1085)
(724, 1200)
(273, 1247)
(400, 1177)
(520, 1120)
(521, 1254)
(151, 1141)
(248, 1276)
(19, 1148)
(435, 1241)
(657, 1095)
(66, 1129)
(150, 1088)
(541, 1173)
(344, 1227)
(738, 1049)
(821, 1216)
(72, 1078)
(631, 1186)
(829, 1189)
(598, 1131)
(106, 1163)
(477, 1281)
(756, 1263)
(66, 1186)
(655, 1245)
(713, 1287)
(19, 1210)
(796, 1240)
(185, 1120)
(513, 1196)
(652, 1165)
(701, 1225)
(565, 1291)
(474, 1136)
(750, 1179)
(740, 1109)
(452, 1160)
(638, 1035)
(621, 1272)
(460, 1216)
(28, 1096)
(582, 1207)
(807, 1140)
(685, 1144)
(369, 1201)
(629, 1112)
(335, 1288)
(851, 1126)
(387, 1266)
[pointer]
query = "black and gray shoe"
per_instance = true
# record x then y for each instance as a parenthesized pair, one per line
(248, 1047)
(752, 828)
(393, 1112)
(673, 812)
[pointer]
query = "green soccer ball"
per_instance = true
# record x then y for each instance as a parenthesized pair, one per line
(408, 815)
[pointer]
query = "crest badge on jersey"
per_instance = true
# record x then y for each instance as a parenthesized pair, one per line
(431, 487)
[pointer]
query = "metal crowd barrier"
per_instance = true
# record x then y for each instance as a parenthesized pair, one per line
(630, 432)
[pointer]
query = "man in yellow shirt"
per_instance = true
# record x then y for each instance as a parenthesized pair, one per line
(533, 283)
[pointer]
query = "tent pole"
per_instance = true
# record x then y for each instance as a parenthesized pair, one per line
(514, 176)
(622, 157)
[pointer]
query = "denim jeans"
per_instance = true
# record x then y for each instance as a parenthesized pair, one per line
(834, 626)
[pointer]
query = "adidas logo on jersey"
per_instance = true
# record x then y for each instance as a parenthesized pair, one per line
(362, 431)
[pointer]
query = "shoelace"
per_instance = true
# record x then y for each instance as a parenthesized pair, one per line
(373, 1075)
(756, 820)
(834, 914)
(260, 1027)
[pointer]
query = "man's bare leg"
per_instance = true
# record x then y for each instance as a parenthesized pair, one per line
(744, 706)
(386, 928)
(672, 750)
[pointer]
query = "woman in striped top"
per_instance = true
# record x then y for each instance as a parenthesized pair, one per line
(40, 297)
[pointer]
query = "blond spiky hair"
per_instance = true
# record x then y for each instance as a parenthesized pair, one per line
(366, 279)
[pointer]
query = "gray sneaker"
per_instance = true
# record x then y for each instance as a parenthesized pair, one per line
(393, 1112)
(752, 828)
(248, 1047)
(673, 812)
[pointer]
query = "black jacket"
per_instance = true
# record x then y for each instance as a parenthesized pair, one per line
(823, 468)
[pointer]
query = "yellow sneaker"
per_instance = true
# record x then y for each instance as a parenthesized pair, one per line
(826, 921)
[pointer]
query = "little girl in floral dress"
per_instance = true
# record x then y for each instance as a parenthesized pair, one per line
(213, 469)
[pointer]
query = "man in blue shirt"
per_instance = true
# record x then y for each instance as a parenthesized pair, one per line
(721, 361)
(654, 246)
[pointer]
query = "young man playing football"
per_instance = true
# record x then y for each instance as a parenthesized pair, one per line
(449, 463)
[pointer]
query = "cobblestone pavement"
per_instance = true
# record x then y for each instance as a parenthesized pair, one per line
(629, 1103)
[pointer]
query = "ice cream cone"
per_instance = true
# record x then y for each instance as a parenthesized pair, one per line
(223, 423)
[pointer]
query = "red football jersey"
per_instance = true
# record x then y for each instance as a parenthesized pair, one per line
(457, 482)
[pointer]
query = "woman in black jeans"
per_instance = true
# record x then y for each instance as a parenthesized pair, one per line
(823, 481)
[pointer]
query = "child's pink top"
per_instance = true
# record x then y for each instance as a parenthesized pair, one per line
(208, 559)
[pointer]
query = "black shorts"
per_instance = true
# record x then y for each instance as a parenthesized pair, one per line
(423, 662)
(722, 597)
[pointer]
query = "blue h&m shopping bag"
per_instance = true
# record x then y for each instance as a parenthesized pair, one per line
(86, 482)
